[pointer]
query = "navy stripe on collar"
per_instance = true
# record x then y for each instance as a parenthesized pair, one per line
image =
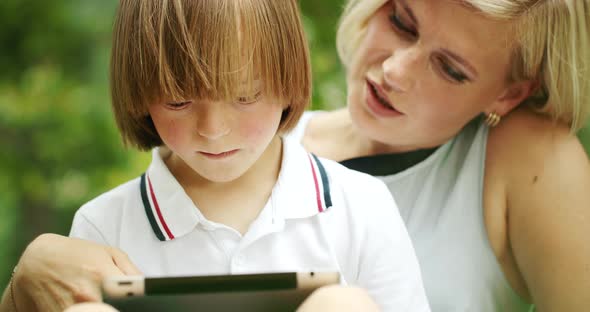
(325, 183)
(148, 209)
(163, 233)
(325, 195)
(161, 229)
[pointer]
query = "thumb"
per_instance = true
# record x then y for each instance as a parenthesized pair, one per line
(123, 262)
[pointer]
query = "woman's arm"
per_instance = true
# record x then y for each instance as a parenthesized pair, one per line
(6, 305)
(55, 272)
(548, 213)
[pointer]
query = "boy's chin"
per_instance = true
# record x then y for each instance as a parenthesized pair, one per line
(223, 177)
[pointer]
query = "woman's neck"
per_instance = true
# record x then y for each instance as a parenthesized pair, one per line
(334, 136)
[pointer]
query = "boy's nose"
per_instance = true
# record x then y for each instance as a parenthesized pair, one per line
(212, 123)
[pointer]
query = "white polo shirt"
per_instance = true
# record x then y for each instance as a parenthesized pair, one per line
(320, 216)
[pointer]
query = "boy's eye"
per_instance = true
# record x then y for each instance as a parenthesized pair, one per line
(249, 99)
(178, 105)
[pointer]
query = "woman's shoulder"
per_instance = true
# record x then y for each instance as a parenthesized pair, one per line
(325, 133)
(544, 174)
(317, 123)
(527, 141)
(299, 131)
(528, 152)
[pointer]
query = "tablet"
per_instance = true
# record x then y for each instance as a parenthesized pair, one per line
(247, 292)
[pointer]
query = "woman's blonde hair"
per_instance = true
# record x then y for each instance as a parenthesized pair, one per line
(205, 49)
(552, 48)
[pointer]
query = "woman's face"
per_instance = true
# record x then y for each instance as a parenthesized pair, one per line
(424, 69)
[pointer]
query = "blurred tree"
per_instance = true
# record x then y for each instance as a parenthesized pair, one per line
(320, 19)
(60, 32)
(60, 146)
(584, 136)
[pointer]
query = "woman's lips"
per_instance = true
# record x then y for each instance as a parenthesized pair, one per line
(221, 155)
(378, 104)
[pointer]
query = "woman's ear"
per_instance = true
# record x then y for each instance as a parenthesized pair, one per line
(513, 95)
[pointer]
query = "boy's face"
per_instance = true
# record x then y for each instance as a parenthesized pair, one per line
(219, 141)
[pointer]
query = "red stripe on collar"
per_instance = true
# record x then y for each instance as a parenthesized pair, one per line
(317, 187)
(158, 212)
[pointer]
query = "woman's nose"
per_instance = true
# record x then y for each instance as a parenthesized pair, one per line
(400, 69)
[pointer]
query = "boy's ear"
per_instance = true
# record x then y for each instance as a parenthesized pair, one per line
(512, 96)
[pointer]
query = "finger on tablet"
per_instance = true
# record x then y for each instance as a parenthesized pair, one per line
(123, 262)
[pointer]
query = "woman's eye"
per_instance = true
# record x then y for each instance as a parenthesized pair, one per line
(249, 99)
(178, 105)
(400, 25)
(451, 72)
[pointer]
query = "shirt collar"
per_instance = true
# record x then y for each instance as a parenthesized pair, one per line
(302, 190)
(168, 208)
(303, 186)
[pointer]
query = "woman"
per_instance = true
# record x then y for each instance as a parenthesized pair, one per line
(497, 205)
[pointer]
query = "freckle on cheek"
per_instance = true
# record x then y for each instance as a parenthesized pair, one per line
(172, 134)
(252, 131)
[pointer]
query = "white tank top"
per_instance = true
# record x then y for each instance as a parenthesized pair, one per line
(440, 199)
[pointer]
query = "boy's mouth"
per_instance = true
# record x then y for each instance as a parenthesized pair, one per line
(219, 155)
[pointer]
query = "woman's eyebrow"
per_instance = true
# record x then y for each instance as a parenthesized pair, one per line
(462, 61)
(408, 11)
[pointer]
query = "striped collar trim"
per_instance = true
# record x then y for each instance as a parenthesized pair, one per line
(153, 211)
(169, 210)
(304, 188)
(322, 188)
(298, 193)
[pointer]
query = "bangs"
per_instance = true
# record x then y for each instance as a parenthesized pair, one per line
(213, 49)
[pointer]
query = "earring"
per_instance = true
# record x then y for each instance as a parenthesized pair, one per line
(492, 119)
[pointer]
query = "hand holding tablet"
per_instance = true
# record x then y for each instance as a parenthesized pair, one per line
(248, 292)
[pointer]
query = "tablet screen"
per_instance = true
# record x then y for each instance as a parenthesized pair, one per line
(247, 292)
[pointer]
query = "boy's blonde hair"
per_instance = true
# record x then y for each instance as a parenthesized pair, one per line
(176, 50)
(552, 48)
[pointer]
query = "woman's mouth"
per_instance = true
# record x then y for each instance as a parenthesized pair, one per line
(378, 102)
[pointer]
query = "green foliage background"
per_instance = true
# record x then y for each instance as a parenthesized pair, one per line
(59, 145)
